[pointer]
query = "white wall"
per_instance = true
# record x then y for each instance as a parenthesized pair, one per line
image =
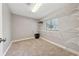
(23, 27)
(1, 46)
(67, 34)
(6, 20)
(0, 18)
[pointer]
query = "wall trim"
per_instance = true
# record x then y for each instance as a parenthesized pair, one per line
(13, 42)
(22, 39)
(7, 48)
(61, 46)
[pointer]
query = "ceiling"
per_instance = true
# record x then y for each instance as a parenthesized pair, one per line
(25, 9)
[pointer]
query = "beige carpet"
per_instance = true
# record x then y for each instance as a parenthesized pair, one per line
(36, 47)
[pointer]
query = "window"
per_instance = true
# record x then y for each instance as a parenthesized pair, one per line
(52, 24)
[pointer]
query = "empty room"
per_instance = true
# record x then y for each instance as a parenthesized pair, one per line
(39, 29)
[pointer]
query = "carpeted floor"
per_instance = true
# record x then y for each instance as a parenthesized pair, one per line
(36, 47)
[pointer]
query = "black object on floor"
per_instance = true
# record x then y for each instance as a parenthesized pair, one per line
(37, 36)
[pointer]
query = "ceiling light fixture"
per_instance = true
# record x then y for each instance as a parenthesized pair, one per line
(36, 7)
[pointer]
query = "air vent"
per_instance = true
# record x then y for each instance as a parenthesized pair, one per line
(40, 22)
(28, 4)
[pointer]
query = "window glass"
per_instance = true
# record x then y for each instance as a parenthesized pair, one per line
(52, 24)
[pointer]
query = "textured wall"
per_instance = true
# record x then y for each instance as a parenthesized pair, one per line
(6, 20)
(23, 27)
(1, 28)
(67, 34)
(0, 18)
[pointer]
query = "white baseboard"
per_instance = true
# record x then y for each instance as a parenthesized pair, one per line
(22, 39)
(7, 48)
(15, 41)
(61, 46)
